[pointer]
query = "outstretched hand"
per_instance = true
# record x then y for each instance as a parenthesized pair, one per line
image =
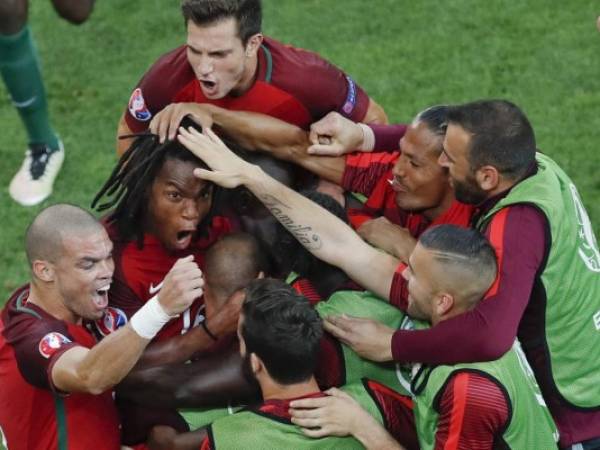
(334, 135)
(335, 415)
(166, 122)
(370, 339)
(228, 169)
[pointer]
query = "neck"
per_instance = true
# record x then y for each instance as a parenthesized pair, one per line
(443, 206)
(503, 186)
(271, 390)
(51, 302)
(248, 78)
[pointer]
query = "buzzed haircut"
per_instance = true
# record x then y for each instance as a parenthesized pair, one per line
(44, 236)
(464, 250)
(232, 263)
(501, 136)
(282, 329)
(247, 13)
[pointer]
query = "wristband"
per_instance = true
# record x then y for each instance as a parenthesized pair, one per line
(210, 334)
(149, 319)
(368, 143)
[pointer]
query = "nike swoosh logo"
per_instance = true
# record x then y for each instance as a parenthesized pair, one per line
(26, 103)
(154, 289)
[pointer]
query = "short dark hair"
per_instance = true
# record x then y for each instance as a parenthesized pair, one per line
(282, 329)
(466, 247)
(129, 184)
(247, 13)
(502, 136)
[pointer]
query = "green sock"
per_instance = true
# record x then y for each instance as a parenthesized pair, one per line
(20, 70)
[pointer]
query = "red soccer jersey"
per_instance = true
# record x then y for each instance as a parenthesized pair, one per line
(33, 414)
(294, 85)
(139, 273)
(368, 173)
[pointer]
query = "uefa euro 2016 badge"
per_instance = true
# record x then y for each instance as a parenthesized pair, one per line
(51, 343)
(112, 320)
(137, 106)
(350, 102)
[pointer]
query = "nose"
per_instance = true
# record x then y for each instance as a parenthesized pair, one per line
(107, 268)
(398, 169)
(190, 209)
(205, 66)
(443, 160)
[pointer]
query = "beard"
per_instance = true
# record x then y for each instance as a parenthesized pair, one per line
(468, 191)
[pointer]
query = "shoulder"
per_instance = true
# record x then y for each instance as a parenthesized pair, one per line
(318, 84)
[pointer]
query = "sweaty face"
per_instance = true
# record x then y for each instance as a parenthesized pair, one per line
(421, 289)
(83, 274)
(418, 180)
(218, 58)
(455, 158)
(178, 201)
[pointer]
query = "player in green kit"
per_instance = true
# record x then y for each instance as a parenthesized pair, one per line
(488, 405)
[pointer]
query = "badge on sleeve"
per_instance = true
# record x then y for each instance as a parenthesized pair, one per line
(137, 106)
(350, 102)
(51, 343)
(112, 320)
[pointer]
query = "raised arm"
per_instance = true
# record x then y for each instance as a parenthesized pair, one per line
(252, 131)
(323, 234)
(97, 369)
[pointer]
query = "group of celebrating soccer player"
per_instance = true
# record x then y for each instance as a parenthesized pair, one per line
(275, 266)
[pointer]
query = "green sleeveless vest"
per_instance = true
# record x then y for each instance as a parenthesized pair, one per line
(571, 280)
(248, 429)
(530, 425)
(365, 305)
(201, 417)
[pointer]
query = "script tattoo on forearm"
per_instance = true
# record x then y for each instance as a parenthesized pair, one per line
(305, 234)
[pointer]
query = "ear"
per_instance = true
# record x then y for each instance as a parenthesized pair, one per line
(43, 270)
(237, 297)
(253, 45)
(443, 304)
(256, 364)
(488, 178)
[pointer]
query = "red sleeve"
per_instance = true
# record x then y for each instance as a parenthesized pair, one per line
(158, 88)
(38, 344)
(316, 83)
(363, 170)
(397, 412)
(473, 410)
(206, 445)
(399, 289)
(518, 234)
(387, 137)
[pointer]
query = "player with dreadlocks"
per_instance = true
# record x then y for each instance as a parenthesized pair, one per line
(159, 213)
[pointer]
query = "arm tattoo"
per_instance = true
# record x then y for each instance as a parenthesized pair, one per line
(305, 234)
